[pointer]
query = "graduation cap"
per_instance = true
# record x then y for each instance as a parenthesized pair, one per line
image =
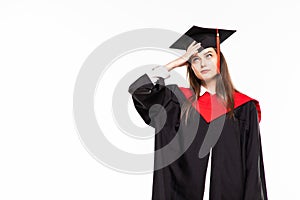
(208, 37)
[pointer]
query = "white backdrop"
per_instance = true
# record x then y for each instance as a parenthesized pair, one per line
(43, 45)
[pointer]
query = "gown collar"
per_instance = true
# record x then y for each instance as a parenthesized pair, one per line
(203, 90)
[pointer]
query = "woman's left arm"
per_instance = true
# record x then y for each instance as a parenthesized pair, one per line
(255, 183)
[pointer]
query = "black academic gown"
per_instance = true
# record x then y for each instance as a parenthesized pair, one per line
(237, 169)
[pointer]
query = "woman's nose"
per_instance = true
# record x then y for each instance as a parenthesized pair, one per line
(202, 63)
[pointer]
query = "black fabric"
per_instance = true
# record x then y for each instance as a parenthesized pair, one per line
(237, 169)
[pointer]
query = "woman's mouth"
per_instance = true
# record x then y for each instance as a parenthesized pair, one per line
(205, 71)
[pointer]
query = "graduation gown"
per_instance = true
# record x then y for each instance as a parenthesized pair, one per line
(237, 168)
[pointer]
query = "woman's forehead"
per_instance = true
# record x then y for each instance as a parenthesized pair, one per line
(204, 51)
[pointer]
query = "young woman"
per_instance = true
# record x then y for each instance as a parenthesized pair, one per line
(222, 122)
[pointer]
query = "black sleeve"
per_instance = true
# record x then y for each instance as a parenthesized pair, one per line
(145, 94)
(255, 185)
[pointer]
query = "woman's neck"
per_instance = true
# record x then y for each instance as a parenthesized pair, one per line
(210, 85)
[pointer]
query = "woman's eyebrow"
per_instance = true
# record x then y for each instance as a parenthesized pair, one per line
(207, 52)
(194, 57)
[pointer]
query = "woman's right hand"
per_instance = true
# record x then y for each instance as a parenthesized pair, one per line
(191, 50)
(183, 60)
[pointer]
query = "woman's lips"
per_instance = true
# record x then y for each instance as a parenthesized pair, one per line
(205, 71)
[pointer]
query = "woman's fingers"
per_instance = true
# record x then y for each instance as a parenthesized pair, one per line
(196, 47)
(192, 47)
(192, 50)
(191, 44)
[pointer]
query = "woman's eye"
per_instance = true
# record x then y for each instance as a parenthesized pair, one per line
(208, 55)
(195, 59)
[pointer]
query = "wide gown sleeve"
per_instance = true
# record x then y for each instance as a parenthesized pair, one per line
(145, 93)
(255, 184)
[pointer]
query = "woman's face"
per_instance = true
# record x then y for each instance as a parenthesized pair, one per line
(204, 64)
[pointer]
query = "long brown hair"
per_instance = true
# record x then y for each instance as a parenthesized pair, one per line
(224, 88)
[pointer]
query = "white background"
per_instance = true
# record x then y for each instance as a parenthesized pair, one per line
(43, 45)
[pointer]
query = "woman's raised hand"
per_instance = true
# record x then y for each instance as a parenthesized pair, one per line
(183, 60)
(191, 50)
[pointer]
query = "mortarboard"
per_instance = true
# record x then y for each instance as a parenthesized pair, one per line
(208, 37)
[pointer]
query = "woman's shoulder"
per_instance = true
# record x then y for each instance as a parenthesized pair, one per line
(180, 92)
(240, 94)
(186, 91)
(241, 99)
